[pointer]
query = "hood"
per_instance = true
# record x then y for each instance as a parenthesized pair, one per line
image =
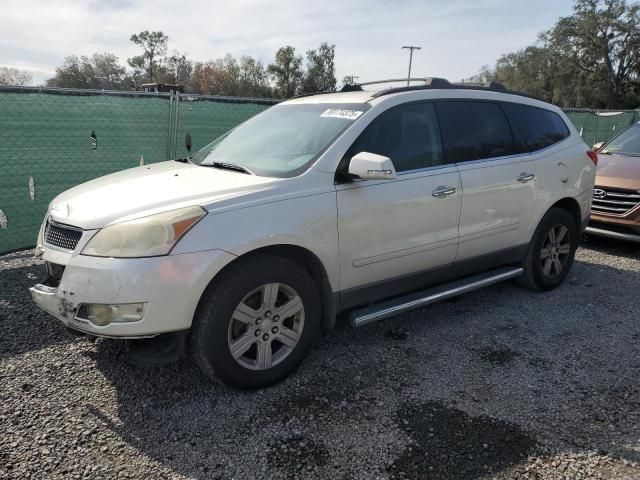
(619, 171)
(149, 189)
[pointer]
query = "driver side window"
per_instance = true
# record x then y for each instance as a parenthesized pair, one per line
(409, 135)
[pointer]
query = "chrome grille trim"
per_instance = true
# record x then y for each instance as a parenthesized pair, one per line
(61, 236)
(614, 201)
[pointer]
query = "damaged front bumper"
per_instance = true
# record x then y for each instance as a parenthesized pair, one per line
(49, 299)
(167, 290)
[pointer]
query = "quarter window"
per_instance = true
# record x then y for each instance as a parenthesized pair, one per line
(408, 135)
(537, 128)
(474, 130)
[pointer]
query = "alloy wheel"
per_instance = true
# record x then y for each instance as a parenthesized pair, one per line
(555, 251)
(266, 326)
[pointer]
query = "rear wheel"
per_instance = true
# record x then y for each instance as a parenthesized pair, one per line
(257, 322)
(551, 252)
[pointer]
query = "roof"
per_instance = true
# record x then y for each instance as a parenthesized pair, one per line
(337, 97)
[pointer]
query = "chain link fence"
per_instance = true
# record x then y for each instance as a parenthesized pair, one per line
(52, 139)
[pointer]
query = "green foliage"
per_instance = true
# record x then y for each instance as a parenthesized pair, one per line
(13, 76)
(588, 59)
(287, 72)
(321, 72)
(227, 76)
(154, 46)
(230, 76)
(101, 71)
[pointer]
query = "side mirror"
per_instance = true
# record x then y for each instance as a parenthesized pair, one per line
(597, 146)
(370, 166)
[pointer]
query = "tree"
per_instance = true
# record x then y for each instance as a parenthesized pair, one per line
(218, 77)
(175, 69)
(321, 71)
(101, 70)
(287, 71)
(601, 40)
(254, 80)
(154, 45)
(108, 73)
(180, 67)
(588, 59)
(13, 76)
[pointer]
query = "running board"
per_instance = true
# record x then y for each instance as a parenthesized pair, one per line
(379, 311)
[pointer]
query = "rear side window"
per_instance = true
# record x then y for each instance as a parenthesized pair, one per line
(536, 128)
(474, 130)
(408, 135)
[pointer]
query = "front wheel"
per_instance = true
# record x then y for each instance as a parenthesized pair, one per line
(256, 322)
(551, 252)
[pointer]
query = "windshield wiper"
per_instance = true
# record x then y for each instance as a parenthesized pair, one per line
(229, 166)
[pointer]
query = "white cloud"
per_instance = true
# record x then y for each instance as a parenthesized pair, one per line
(457, 37)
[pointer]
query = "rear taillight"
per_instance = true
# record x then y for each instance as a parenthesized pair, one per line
(593, 156)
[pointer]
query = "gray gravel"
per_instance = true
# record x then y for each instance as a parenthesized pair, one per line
(501, 383)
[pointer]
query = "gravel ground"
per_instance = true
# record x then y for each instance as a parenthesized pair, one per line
(500, 383)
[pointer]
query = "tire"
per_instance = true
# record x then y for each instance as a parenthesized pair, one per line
(238, 336)
(551, 251)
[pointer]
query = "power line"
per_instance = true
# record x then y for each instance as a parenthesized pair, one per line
(390, 60)
(411, 48)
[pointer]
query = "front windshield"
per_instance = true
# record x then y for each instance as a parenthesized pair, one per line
(282, 141)
(628, 142)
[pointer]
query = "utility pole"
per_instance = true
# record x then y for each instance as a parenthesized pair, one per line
(411, 48)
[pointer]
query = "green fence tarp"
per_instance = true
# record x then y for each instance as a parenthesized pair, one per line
(600, 125)
(53, 139)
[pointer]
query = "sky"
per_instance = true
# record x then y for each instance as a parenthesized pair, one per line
(457, 37)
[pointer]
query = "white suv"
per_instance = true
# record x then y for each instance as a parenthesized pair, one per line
(370, 201)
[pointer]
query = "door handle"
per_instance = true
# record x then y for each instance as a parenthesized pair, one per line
(525, 177)
(442, 191)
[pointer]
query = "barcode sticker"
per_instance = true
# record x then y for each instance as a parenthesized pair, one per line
(341, 113)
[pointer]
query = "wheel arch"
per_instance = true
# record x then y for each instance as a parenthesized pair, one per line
(303, 257)
(571, 205)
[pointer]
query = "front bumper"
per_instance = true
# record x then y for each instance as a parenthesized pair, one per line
(170, 286)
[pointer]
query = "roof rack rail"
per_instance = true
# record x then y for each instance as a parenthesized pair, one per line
(441, 83)
(433, 83)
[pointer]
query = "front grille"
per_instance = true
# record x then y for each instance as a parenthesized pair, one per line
(613, 200)
(61, 236)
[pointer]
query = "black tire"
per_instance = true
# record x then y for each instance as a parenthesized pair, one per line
(211, 332)
(537, 273)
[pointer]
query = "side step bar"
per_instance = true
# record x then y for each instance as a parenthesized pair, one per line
(379, 311)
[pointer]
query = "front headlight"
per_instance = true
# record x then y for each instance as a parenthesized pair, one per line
(144, 237)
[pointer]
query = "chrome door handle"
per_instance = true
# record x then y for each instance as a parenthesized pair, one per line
(442, 191)
(525, 177)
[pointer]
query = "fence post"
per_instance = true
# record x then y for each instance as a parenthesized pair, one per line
(175, 128)
(169, 124)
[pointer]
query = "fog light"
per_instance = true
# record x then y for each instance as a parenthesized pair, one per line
(103, 314)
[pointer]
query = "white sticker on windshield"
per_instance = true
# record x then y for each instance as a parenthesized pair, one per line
(340, 113)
